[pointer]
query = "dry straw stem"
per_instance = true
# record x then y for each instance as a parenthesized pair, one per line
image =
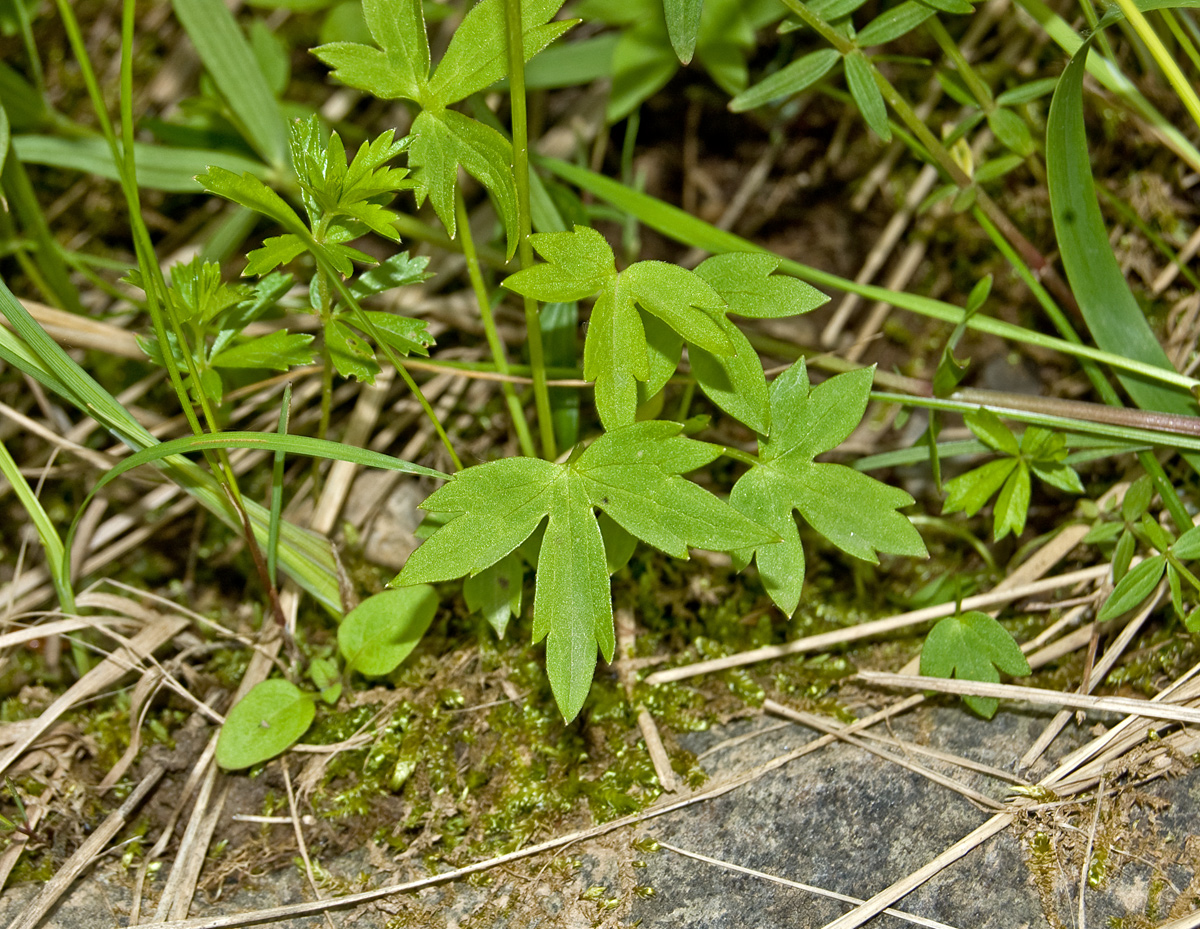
(880, 626)
(1123, 705)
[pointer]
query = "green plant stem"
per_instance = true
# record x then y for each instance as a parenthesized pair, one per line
(489, 326)
(941, 157)
(1166, 61)
(1104, 389)
(520, 144)
(950, 49)
(744, 457)
(1181, 37)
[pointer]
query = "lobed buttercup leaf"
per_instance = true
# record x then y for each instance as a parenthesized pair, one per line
(632, 474)
(805, 422)
(973, 647)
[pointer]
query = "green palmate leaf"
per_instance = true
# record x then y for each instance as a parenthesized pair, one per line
(496, 591)
(383, 630)
(265, 722)
(683, 25)
(972, 647)
(352, 356)
(1012, 503)
(620, 350)
(747, 283)
(633, 475)
(277, 351)
(736, 382)
(664, 349)
(477, 56)
(805, 422)
(441, 144)
(1113, 315)
(1133, 588)
(968, 492)
(860, 78)
(791, 79)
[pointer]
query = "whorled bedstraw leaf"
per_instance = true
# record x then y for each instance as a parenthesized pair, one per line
(265, 722)
(971, 647)
(860, 78)
(853, 511)
(1133, 588)
(791, 79)
(633, 475)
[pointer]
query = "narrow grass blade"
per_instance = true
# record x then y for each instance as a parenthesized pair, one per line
(1112, 313)
(57, 563)
(159, 167)
(682, 227)
(230, 60)
(305, 556)
(285, 409)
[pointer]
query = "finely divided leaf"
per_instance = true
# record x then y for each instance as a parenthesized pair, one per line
(972, 647)
(278, 351)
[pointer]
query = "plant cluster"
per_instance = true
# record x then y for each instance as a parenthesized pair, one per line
(576, 518)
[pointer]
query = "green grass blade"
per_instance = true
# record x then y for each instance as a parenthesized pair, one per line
(305, 556)
(159, 167)
(1112, 79)
(683, 227)
(57, 562)
(230, 60)
(269, 441)
(1110, 310)
(285, 410)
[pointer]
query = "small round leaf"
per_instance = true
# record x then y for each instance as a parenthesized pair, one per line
(265, 722)
(380, 632)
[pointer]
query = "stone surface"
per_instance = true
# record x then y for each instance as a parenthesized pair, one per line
(839, 819)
